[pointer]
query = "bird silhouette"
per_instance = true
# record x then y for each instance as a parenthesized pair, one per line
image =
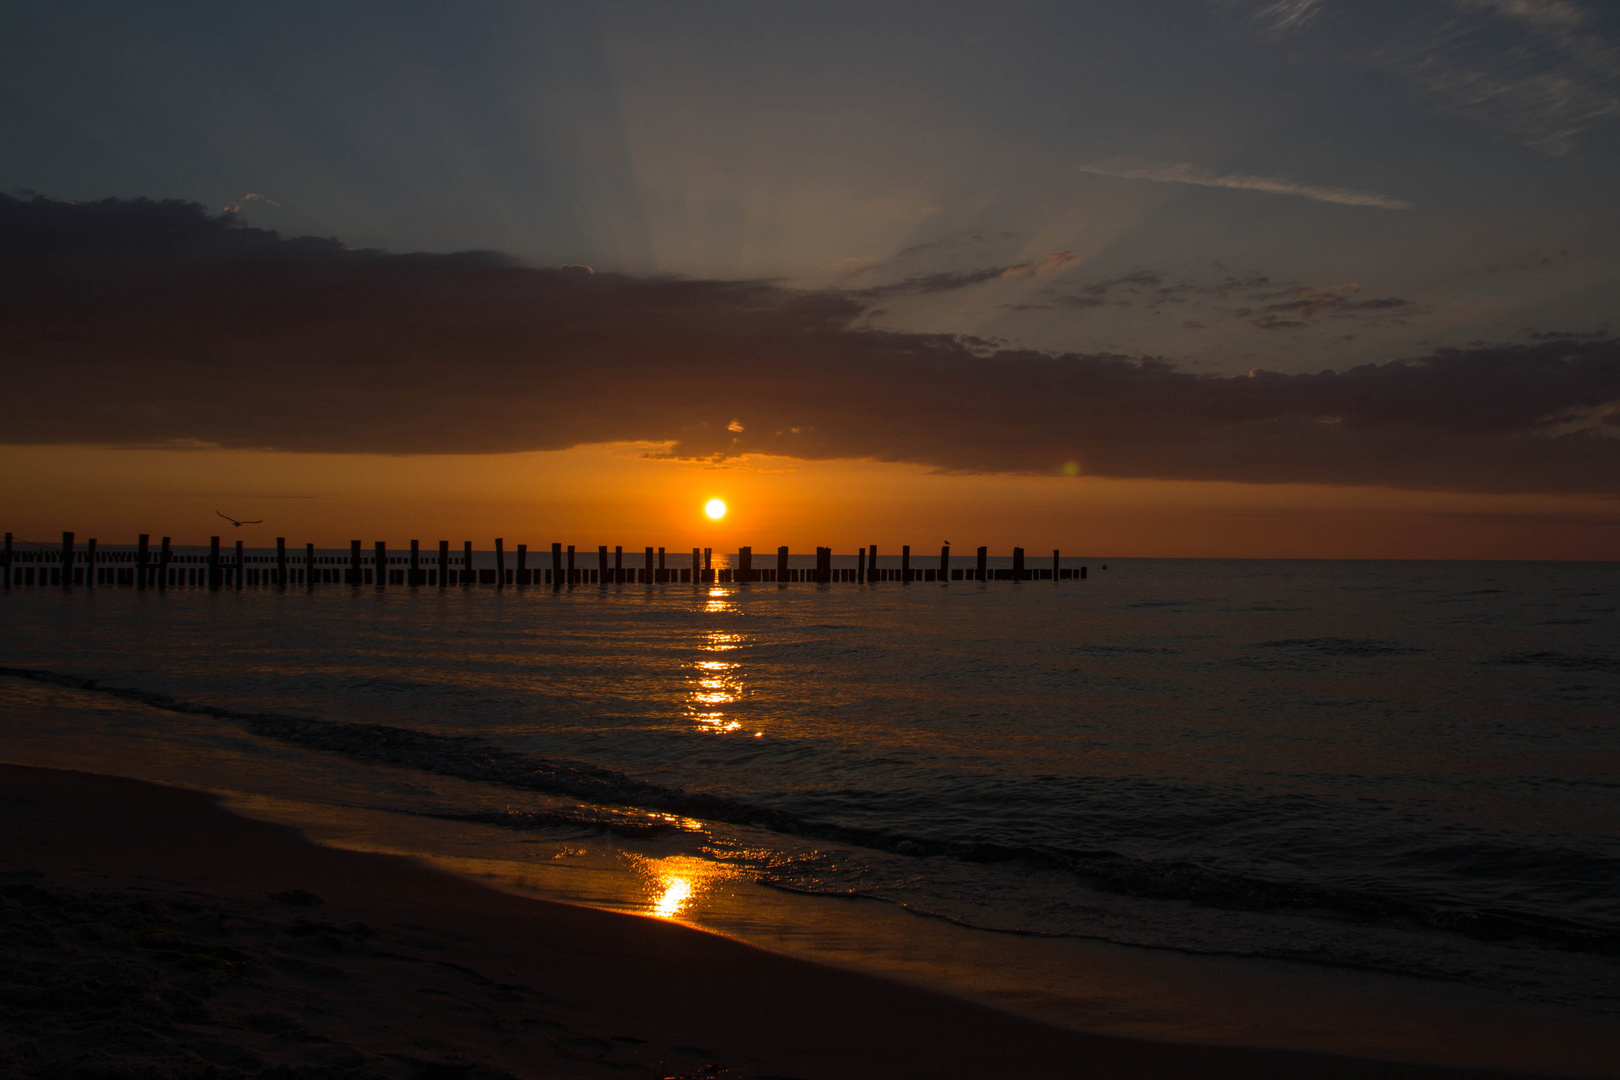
(239, 524)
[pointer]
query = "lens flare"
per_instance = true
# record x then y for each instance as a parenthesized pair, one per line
(715, 508)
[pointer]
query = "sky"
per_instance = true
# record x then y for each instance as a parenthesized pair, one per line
(1269, 278)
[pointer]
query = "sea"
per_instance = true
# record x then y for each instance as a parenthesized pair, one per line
(1402, 773)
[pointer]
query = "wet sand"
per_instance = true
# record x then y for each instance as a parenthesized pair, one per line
(144, 931)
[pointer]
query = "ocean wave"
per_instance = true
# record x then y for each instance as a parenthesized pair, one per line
(473, 758)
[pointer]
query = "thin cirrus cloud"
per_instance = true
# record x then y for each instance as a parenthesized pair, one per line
(1185, 173)
(156, 324)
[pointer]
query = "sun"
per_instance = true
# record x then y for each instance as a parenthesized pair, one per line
(715, 508)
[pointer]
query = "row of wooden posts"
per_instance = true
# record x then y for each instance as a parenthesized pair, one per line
(144, 568)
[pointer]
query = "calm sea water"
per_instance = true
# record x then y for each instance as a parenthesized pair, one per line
(1408, 767)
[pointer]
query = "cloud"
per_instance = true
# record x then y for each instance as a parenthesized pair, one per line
(952, 280)
(1286, 16)
(1184, 173)
(141, 323)
(1538, 70)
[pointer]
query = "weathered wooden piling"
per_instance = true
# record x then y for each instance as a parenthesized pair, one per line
(312, 576)
(380, 564)
(163, 565)
(240, 573)
(213, 562)
(905, 564)
(781, 565)
(500, 563)
(648, 579)
(1018, 564)
(414, 577)
(5, 561)
(556, 566)
(355, 577)
(1056, 565)
(745, 564)
(142, 571)
(871, 564)
(281, 562)
(618, 565)
(708, 564)
(444, 564)
(603, 578)
(1082, 573)
(697, 567)
(467, 575)
(67, 559)
(945, 564)
(823, 566)
(90, 563)
(523, 564)
(984, 559)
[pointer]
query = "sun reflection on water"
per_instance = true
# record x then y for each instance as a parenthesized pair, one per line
(676, 883)
(718, 684)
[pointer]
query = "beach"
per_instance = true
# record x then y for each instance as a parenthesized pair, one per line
(150, 933)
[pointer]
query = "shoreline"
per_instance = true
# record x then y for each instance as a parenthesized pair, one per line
(400, 969)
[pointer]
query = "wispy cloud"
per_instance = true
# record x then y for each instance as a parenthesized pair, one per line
(1286, 16)
(1184, 173)
(950, 280)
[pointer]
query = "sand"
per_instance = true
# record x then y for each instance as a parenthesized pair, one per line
(146, 932)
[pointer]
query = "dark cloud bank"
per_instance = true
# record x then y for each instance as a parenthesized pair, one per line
(140, 323)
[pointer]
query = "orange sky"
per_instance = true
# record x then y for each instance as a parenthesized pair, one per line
(616, 495)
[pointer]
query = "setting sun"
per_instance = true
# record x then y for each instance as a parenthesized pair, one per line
(715, 508)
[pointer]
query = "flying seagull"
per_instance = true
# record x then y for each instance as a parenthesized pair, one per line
(239, 524)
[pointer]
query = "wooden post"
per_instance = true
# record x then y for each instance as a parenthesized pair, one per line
(662, 576)
(241, 575)
(556, 566)
(5, 561)
(469, 576)
(697, 567)
(945, 564)
(213, 562)
(860, 567)
(871, 564)
(414, 577)
(708, 564)
(905, 563)
(380, 564)
(311, 575)
(523, 564)
(281, 561)
(67, 560)
(618, 566)
(823, 565)
(143, 544)
(984, 559)
(649, 572)
(603, 577)
(745, 564)
(90, 563)
(163, 564)
(1018, 564)
(500, 563)
(355, 577)
(1083, 573)
(573, 576)
(1055, 562)
(444, 563)
(781, 566)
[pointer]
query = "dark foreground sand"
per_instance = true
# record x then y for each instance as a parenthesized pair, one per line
(144, 932)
